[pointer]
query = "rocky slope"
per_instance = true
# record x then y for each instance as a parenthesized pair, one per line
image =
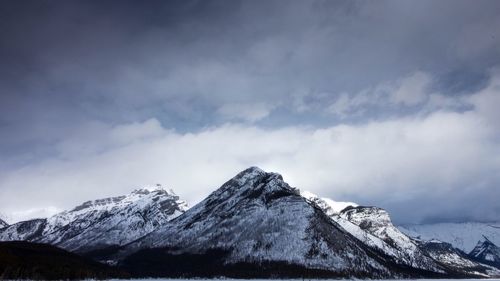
(455, 259)
(404, 250)
(486, 252)
(102, 223)
(373, 226)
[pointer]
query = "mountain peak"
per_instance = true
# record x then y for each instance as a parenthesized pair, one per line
(152, 187)
(158, 188)
(486, 252)
(252, 175)
(251, 172)
(3, 224)
(485, 240)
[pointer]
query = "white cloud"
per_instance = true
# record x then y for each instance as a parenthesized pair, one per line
(410, 90)
(33, 213)
(245, 111)
(401, 164)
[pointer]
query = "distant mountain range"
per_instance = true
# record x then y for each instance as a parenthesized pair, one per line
(463, 236)
(103, 223)
(256, 225)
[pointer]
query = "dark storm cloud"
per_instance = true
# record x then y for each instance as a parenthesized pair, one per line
(192, 65)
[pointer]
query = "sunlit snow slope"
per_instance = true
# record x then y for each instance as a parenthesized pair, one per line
(102, 223)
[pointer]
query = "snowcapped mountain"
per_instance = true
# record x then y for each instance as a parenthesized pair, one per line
(373, 226)
(3, 224)
(463, 236)
(102, 223)
(455, 259)
(376, 221)
(254, 225)
(486, 252)
(258, 219)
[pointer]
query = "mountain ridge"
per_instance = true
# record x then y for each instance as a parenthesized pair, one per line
(101, 223)
(255, 222)
(486, 252)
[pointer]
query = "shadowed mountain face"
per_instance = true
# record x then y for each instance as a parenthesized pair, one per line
(102, 223)
(25, 260)
(486, 252)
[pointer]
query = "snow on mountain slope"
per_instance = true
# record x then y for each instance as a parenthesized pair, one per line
(257, 217)
(374, 228)
(463, 236)
(486, 252)
(3, 224)
(402, 252)
(329, 206)
(25, 230)
(455, 259)
(102, 223)
(377, 222)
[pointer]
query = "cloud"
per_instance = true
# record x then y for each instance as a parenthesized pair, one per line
(246, 112)
(385, 104)
(32, 213)
(411, 90)
(188, 63)
(408, 91)
(438, 166)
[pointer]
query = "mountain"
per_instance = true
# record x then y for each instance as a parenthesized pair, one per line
(373, 226)
(103, 223)
(26, 260)
(256, 225)
(486, 252)
(404, 250)
(3, 224)
(463, 236)
(256, 220)
(455, 259)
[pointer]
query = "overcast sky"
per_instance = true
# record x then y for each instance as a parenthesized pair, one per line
(386, 103)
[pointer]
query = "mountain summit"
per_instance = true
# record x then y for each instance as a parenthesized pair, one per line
(486, 252)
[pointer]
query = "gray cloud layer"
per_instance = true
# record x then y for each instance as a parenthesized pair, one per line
(390, 97)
